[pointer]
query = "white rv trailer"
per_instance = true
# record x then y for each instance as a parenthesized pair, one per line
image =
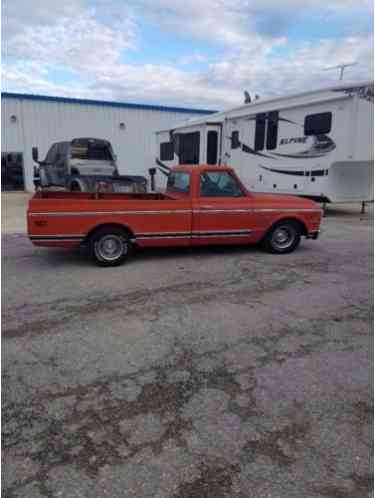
(317, 144)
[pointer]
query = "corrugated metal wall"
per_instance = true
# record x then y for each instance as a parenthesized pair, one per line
(41, 123)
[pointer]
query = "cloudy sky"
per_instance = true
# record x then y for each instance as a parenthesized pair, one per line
(198, 53)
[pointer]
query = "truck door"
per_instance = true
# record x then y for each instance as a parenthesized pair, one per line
(222, 210)
(48, 171)
(172, 224)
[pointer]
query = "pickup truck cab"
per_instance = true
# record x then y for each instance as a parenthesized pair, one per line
(202, 205)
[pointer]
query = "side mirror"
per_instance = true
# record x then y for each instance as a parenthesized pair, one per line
(35, 154)
(152, 172)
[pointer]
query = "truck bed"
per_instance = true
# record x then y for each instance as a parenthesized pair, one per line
(116, 196)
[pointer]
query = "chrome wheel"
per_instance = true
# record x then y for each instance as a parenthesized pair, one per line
(283, 237)
(110, 248)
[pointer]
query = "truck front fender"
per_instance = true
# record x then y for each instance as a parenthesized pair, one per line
(282, 219)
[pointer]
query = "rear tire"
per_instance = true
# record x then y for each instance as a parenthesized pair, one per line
(282, 238)
(110, 246)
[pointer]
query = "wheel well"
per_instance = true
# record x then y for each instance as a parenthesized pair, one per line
(73, 184)
(295, 220)
(81, 183)
(108, 225)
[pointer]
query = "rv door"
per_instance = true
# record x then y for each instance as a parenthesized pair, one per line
(213, 144)
(188, 145)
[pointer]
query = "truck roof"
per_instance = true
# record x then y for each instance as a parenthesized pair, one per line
(91, 140)
(85, 141)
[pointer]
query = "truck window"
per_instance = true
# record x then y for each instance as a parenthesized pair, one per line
(219, 184)
(166, 151)
(318, 124)
(179, 181)
(51, 154)
(212, 147)
(189, 144)
(65, 149)
(60, 152)
(90, 151)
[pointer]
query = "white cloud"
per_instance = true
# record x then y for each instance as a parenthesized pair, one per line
(30, 78)
(227, 23)
(304, 68)
(196, 58)
(233, 23)
(78, 41)
(91, 45)
(17, 14)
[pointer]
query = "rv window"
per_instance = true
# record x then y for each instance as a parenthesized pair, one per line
(273, 124)
(235, 140)
(318, 124)
(189, 148)
(260, 130)
(166, 151)
(212, 147)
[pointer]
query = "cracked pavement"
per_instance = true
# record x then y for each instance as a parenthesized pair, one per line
(210, 372)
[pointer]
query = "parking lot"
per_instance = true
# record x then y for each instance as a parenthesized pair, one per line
(210, 372)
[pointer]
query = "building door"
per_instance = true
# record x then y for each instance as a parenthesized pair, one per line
(12, 171)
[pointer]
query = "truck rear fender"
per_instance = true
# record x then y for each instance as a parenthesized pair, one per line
(126, 229)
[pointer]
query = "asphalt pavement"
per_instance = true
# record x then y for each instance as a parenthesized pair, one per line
(211, 372)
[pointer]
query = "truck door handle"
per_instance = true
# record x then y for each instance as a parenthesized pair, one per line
(207, 207)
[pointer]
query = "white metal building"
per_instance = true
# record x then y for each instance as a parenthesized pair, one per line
(34, 120)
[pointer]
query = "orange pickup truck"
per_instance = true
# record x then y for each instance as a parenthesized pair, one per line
(202, 205)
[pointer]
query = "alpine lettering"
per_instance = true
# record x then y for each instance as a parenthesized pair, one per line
(293, 140)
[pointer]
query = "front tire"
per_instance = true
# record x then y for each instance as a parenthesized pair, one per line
(282, 238)
(110, 246)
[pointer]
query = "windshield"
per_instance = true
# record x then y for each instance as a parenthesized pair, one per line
(178, 181)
